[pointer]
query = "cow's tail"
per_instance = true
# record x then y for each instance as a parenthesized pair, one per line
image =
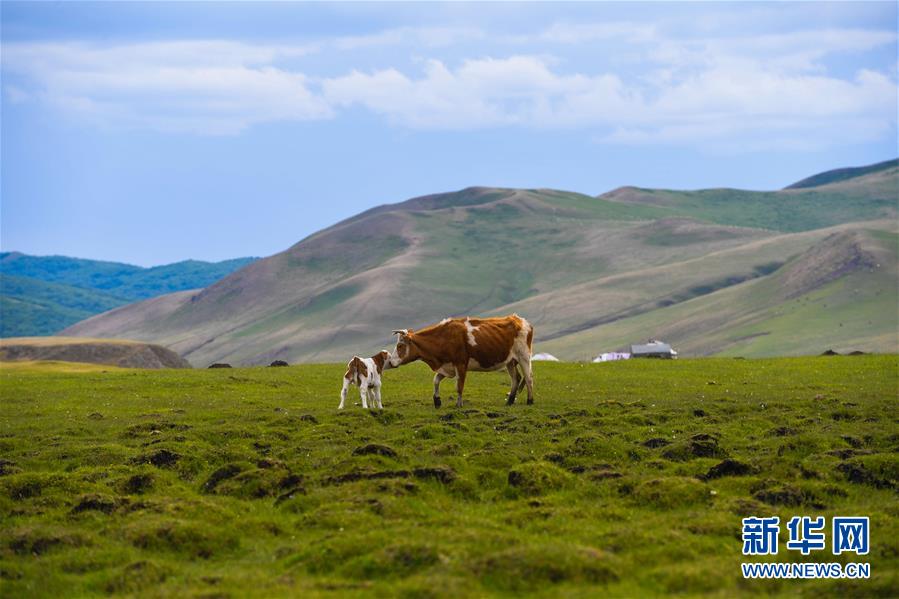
(530, 340)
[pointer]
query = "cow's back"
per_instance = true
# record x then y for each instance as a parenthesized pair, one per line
(493, 340)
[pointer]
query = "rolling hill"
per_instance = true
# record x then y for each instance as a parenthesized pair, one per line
(112, 352)
(713, 271)
(41, 295)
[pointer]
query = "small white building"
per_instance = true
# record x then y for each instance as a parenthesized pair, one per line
(612, 356)
(653, 349)
(544, 357)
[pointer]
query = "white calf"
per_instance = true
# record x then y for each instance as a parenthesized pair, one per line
(366, 374)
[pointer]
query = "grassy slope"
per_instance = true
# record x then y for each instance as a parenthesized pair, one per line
(33, 307)
(594, 511)
(470, 261)
(770, 316)
(860, 198)
(843, 174)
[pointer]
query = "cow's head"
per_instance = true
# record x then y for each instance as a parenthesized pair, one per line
(405, 350)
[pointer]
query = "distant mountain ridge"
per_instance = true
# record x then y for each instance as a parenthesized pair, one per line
(41, 295)
(591, 273)
(843, 174)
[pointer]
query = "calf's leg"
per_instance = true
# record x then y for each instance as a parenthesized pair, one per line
(363, 394)
(346, 383)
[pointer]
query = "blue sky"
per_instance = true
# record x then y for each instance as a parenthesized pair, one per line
(155, 132)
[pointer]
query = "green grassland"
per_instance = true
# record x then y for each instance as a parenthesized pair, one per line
(249, 482)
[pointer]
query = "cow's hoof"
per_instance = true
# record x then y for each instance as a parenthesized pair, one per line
(530, 401)
(510, 401)
(436, 402)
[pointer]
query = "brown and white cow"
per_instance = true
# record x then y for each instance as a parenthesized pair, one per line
(455, 346)
(366, 374)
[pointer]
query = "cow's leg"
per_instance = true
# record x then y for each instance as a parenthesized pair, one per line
(512, 368)
(346, 383)
(377, 390)
(460, 383)
(437, 378)
(528, 378)
(363, 394)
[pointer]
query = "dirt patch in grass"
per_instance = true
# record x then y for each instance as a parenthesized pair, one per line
(25, 486)
(8, 467)
(161, 458)
(702, 445)
(95, 502)
(656, 442)
(786, 495)
(442, 474)
(138, 483)
(224, 473)
(782, 431)
(728, 467)
(879, 470)
(375, 449)
(357, 475)
(39, 540)
(253, 483)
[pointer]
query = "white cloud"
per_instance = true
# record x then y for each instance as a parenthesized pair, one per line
(788, 52)
(519, 90)
(680, 90)
(728, 99)
(210, 87)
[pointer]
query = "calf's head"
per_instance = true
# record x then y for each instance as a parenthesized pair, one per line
(382, 360)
